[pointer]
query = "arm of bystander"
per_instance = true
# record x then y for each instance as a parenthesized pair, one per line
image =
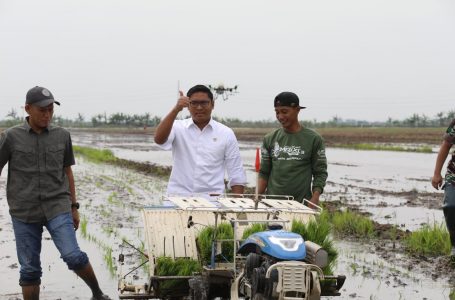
(436, 180)
(70, 176)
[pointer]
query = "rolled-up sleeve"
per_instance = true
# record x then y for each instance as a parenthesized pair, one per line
(234, 166)
(167, 145)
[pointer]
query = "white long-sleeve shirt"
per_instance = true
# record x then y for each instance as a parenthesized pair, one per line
(201, 158)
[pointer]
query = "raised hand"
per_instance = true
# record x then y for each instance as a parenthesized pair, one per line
(182, 102)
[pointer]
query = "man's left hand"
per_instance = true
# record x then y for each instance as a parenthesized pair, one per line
(314, 200)
(76, 218)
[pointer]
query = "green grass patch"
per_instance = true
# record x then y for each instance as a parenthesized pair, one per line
(106, 156)
(166, 266)
(366, 146)
(348, 223)
(204, 240)
(95, 155)
(318, 231)
(431, 240)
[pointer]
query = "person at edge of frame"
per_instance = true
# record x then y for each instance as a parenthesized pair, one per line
(41, 192)
(293, 160)
(448, 186)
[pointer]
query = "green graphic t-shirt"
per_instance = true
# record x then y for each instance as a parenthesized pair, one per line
(291, 161)
(450, 137)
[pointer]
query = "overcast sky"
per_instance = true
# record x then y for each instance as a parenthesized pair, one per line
(356, 59)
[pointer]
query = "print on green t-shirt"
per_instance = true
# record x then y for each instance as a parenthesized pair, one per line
(291, 161)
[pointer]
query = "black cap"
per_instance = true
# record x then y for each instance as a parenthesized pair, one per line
(287, 99)
(40, 96)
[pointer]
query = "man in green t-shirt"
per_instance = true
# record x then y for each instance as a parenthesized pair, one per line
(293, 157)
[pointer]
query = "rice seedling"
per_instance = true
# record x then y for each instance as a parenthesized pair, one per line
(354, 267)
(166, 266)
(83, 226)
(318, 231)
(349, 223)
(95, 155)
(105, 213)
(109, 260)
(112, 199)
(130, 189)
(108, 230)
(106, 156)
(205, 237)
(432, 240)
(365, 271)
(253, 228)
(377, 147)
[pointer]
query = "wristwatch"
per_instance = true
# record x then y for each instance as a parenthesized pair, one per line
(75, 205)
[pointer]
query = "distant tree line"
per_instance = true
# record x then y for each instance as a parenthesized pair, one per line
(441, 119)
(99, 120)
(146, 120)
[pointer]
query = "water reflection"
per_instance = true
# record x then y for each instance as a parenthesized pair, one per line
(363, 178)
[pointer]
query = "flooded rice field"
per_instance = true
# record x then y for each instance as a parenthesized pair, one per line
(394, 187)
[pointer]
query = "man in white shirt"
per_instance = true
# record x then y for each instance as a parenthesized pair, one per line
(202, 148)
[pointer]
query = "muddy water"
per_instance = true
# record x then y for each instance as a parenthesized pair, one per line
(370, 276)
(393, 186)
(390, 185)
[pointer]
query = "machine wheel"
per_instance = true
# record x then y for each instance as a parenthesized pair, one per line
(253, 261)
(257, 282)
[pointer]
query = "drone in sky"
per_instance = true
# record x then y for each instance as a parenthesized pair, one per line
(225, 92)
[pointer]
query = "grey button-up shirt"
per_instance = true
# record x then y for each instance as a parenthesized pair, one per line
(37, 185)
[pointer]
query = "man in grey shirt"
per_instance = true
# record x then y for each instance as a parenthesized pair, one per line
(40, 192)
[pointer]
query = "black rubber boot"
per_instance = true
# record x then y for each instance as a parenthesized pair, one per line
(449, 215)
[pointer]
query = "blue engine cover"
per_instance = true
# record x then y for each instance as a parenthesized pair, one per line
(280, 244)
